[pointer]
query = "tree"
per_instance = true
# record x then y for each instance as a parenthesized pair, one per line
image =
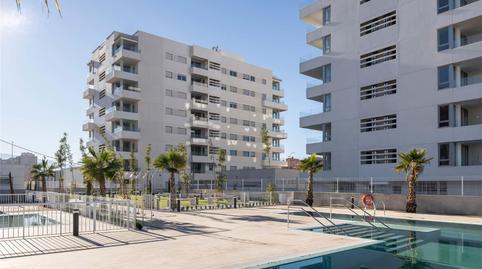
(147, 160)
(221, 171)
(413, 164)
(133, 168)
(312, 165)
(10, 182)
(42, 171)
(173, 161)
(100, 166)
(57, 6)
(62, 156)
(266, 143)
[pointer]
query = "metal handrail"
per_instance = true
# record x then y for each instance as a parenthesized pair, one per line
(364, 211)
(290, 204)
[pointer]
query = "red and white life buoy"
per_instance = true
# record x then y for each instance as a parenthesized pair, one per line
(368, 199)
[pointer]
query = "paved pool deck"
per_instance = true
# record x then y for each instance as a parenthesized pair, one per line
(227, 238)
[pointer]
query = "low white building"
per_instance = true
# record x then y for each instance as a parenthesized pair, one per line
(19, 167)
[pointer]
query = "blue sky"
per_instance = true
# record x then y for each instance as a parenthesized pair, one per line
(43, 58)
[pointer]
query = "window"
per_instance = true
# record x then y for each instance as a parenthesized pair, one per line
(245, 153)
(233, 137)
(246, 76)
(246, 123)
(378, 89)
(233, 121)
(233, 152)
(214, 99)
(246, 92)
(263, 81)
(181, 131)
(101, 94)
(223, 70)
(102, 112)
(326, 159)
(444, 154)
(378, 123)
(245, 138)
(181, 59)
(169, 74)
(363, 1)
(168, 129)
(233, 73)
(233, 168)
(213, 116)
(326, 73)
(223, 119)
(444, 74)
(443, 5)
(181, 77)
(169, 111)
(378, 23)
(252, 78)
(326, 100)
(233, 89)
(378, 56)
(443, 116)
(379, 156)
(275, 156)
(213, 133)
(326, 44)
(445, 38)
(223, 87)
(326, 14)
(168, 92)
(101, 76)
(223, 135)
(169, 56)
(233, 105)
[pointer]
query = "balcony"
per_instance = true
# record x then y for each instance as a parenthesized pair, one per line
(201, 158)
(278, 148)
(89, 125)
(460, 153)
(444, 6)
(126, 133)
(132, 93)
(275, 104)
(115, 113)
(128, 53)
(197, 139)
(199, 87)
(199, 104)
(201, 122)
(90, 110)
(199, 69)
(278, 133)
(314, 119)
(118, 73)
(89, 92)
(311, 13)
(460, 74)
(279, 120)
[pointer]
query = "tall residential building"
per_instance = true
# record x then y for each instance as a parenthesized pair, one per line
(392, 76)
(145, 89)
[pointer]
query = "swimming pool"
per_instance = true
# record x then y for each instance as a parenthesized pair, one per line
(410, 244)
(9, 221)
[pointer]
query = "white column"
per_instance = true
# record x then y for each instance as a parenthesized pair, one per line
(458, 154)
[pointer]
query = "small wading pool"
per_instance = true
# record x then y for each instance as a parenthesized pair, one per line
(9, 221)
(410, 244)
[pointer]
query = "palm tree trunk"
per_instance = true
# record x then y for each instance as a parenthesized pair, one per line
(44, 184)
(102, 186)
(172, 188)
(10, 182)
(89, 187)
(411, 206)
(309, 196)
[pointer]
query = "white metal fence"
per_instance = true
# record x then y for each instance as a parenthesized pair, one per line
(45, 214)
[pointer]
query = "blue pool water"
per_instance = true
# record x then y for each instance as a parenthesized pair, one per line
(409, 244)
(10, 221)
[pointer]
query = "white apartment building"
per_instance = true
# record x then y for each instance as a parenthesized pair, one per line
(145, 89)
(395, 75)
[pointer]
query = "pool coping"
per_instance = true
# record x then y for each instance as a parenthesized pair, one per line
(307, 255)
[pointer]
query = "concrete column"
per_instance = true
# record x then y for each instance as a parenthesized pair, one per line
(457, 76)
(458, 154)
(452, 154)
(456, 40)
(452, 117)
(458, 115)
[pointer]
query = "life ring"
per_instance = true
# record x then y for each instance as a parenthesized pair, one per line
(368, 199)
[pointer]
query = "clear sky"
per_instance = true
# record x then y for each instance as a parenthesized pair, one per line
(43, 58)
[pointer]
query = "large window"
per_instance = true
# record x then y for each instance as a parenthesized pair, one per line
(444, 75)
(443, 116)
(379, 156)
(444, 154)
(445, 38)
(326, 73)
(327, 44)
(326, 159)
(326, 15)
(444, 5)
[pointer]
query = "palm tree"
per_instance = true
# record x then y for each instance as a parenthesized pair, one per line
(100, 166)
(412, 163)
(173, 161)
(312, 165)
(266, 143)
(42, 171)
(57, 6)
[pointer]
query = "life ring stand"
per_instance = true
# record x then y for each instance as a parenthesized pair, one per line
(368, 200)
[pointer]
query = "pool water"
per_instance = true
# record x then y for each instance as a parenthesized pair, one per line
(409, 244)
(10, 221)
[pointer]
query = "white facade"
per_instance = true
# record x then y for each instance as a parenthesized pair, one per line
(396, 75)
(144, 89)
(19, 167)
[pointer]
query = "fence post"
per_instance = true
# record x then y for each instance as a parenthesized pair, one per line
(95, 213)
(283, 184)
(235, 202)
(337, 185)
(60, 211)
(75, 222)
(128, 212)
(462, 186)
(371, 184)
(261, 185)
(178, 205)
(23, 222)
(242, 184)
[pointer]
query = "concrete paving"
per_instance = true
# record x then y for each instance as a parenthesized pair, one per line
(229, 238)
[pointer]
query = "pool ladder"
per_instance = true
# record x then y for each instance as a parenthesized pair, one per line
(351, 206)
(296, 204)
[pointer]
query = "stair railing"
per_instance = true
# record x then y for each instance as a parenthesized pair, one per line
(348, 204)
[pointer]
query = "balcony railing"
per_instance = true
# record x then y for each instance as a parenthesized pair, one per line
(198, 65)
(318, 139)
(114, 108)
(470, 80)
(197, 118)
(311, 56)
(200, 101)
(197, 83)
(121, 128)
(311, 112)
